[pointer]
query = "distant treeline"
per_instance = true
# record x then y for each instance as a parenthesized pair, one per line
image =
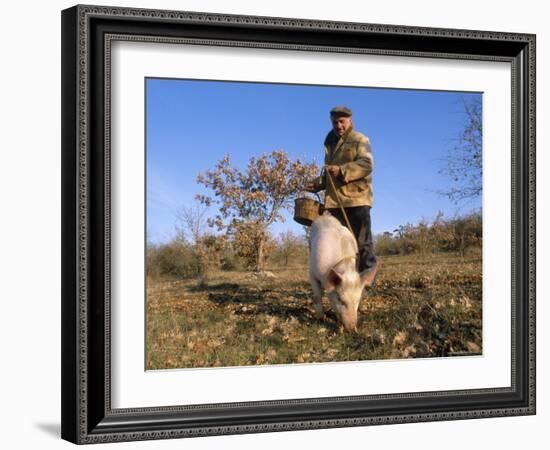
(182, 258)
(441, 235)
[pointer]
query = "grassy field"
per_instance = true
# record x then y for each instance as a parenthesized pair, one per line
(426, 306)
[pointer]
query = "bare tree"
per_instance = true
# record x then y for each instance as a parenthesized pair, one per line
(463, 164)
(290, 245)
(191, 222)
(466, 232)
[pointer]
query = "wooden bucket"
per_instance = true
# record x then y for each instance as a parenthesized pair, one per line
(306, 210)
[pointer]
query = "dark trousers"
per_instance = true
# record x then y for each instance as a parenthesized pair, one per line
(359, 219)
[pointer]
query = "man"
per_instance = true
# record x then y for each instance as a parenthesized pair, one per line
(348, 160)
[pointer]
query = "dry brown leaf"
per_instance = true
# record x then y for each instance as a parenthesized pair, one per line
(400, 338)
(409, 351)
(466, 302)
(295, 338)
(293, 320)
(473, 347)
(214, 343)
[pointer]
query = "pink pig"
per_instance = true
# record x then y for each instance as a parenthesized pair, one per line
(332, 256)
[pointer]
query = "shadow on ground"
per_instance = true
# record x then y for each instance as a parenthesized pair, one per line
(286, 303)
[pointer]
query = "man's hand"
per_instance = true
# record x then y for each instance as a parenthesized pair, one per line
(334, 170)
(310, 187)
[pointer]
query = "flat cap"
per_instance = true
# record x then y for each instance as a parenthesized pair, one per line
(340, 111)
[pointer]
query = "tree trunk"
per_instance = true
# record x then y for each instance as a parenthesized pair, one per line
(260, 256)
(462, 244)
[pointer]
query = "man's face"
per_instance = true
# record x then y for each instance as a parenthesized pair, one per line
(341, 124)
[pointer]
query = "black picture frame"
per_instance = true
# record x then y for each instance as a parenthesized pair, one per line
(87, 415)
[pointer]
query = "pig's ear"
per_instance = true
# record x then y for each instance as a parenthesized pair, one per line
(367, 277)
(333, 280)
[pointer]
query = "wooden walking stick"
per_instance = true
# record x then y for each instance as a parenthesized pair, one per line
(339, 202)
(368, 280)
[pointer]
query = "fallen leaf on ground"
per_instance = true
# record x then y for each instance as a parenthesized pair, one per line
(400, 338)
(409, 351)
(473, 347)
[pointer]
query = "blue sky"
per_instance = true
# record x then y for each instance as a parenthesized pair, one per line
(191, 124)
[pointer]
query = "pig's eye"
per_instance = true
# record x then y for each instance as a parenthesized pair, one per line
(342, 301)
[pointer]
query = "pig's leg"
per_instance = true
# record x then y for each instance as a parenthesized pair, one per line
(317, 297)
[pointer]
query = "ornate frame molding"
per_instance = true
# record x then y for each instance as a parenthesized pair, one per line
(86, 421)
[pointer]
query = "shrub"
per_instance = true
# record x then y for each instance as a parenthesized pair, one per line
(451, 235)
(211, 250)
(175, 259)
(289, 249)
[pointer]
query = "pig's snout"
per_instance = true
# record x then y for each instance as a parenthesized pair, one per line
(350, 326)
(349, 321)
